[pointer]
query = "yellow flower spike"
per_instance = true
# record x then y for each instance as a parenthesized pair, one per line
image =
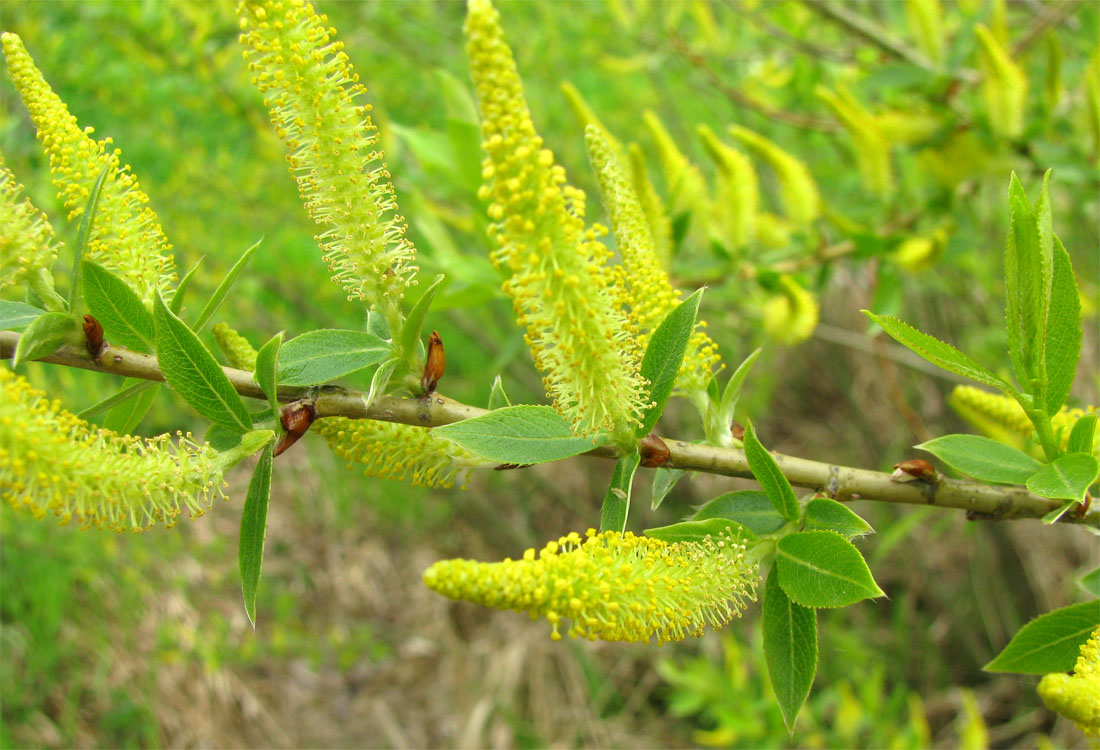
(236, 347)
(641, 285)
(871, 147)
(53, 462)
(772, 231)
(1077, 697)
(660, 226)
(736, 194)
(313, 96)
(397, 451)
(791, 314)
(126, 237)
(797, 189)
(922, 252)
(27, 245)
(925, 20)
(1002, 418)
(686, 186)
(612, 586)
(1004, 86)
(560, 284)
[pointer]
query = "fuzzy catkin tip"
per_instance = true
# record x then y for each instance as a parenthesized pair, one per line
(27, 245)
(1077, 696)
(797, 188)
(791, 314)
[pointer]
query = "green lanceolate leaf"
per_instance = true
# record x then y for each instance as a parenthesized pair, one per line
(117, 307)
(219, 295)
(191, 370)
(1050, 642)
(697, 531)
(16, 315)
(130, 387)
(250, 551)
(1082, 435)
(766, 471)
(498, 399)
(1066, 477)
(790, 648)
(750, 508)
(823, 569)
(663, 357)
(1090, 582)
(982, 458)
(824, 514)
(1063, 336)
(44, 335)
(380, 380)
(267, 363)
(1027, 287)
(325, 355)
(87, 219)
(616, 502)
(938, 353)
(733, 388)
(410, 334)
(517, 435)
(663, 482)
(125, 416)
(176, 303)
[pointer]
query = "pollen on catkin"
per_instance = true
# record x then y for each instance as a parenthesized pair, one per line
(660, 226)
(1004, 86)
(612, 586)
(871, 148)
(560, 283)
(685, 184)
(54, 463)
(641, 285)
(27, 245)
(402, 452)
(797, 189)
(236, 348)
(736, 192)
(1077, 696)
(791, 313)
(126, 237)
(314, 100)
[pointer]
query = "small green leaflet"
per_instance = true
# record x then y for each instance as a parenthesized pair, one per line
(1050, 642)
(83, 233)
(982, 458)
(1027, 289)
(824, 514)
(176, 303)
(823, 569)
(327, 354)
(790, 648)
(697, 531)
(750, 508)
(1063, 335)
(380, 380)
(250, 550)
(410, 334)
(1066, 477)
(219, 295)
(517, 435)
(130, 388)
(498, 399)
(766, 471)
(191, 370)
(16, 315)
(616, 502)
(1082, 435)
(1090, 582)
(663, 357)
(267, 362)
(938, 353)
(733, 388)
(125, 416)
(44, 335)
(663, 482)
(117, 307)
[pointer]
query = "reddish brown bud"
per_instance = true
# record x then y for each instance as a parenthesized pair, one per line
(915, 469)
(654, 451)
(737, 430)
(296, 419)
(93, 337)
(437, 362)
(1083, 508)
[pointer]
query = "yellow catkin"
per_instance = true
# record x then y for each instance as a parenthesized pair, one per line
(797, 189)
(560, 282)
(685, 184)
(235, 347)
(397, 451)
(54, 463)
(27, 245)
(925, 21)
(126, 237)
(660, 226)
(772, 231)
(791, 313)
(314, 99)
(920, 252)
(1077, 696)
(1002, 418)
(736, 192)
(870, 145)
(612, 586)
(1004, 86)
(641, 284)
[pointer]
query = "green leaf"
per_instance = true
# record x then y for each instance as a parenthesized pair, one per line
(130, 387)
(1066, 477)
(1050, 642)
(117, 307)
(697, 531)
(176, 303)
(222, 439)
(517, 435)
(938, 353)
(380, 380)
(823, 569)
(410, 334)
(825, 514)
(1082, 435)
(663, 482)
(733, 388)
(250, 551)
(1053, 516)
(87, 219)
(377, 325)
(616, 502)
(982, 458)
(1090, 582)
(1027, 287)
(663, 357)
(267, 363)
(1063, 334)
(191, 370)
(790, 648)
(766, 471)
(498, 399)
(327, 354)
(16, 315)
(125, 416)
(750, 508)
(219, 295)
(44, 335)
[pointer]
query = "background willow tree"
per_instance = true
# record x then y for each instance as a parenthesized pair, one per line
(936, 194)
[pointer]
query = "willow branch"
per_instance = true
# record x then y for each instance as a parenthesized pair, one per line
(981, 501)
